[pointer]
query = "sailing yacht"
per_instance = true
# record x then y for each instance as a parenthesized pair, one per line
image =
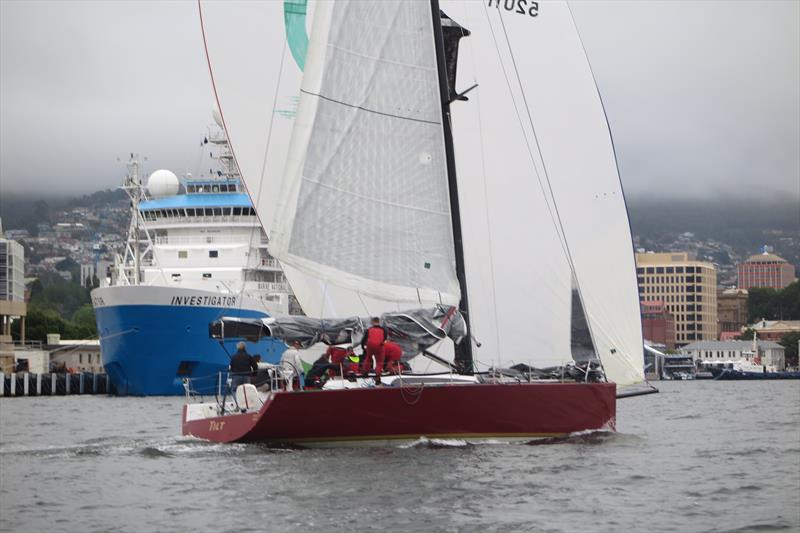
(447, 162)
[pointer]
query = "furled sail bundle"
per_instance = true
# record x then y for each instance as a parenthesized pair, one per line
(414, 330)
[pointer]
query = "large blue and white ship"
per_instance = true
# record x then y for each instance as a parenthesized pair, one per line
(195, 251)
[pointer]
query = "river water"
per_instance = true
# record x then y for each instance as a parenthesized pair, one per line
(699, 456)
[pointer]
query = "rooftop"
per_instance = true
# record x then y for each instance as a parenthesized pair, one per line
(765, 258)
(730, 345)
(197, 200)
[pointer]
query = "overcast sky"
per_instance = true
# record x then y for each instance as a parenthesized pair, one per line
(703, 97)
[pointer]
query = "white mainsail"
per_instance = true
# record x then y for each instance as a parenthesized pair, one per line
(364, 222)
(538, 177)
(256, 82)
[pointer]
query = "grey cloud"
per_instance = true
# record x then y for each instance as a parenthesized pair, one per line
(702, 97)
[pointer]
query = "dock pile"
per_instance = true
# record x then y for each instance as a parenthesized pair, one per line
(55, 384)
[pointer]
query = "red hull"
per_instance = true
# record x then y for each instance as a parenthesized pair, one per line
(526, 410)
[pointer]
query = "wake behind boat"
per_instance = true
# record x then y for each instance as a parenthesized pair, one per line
(529, 243)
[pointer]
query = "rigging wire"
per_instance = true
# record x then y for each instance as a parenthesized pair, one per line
(549, 183)
(547, 192)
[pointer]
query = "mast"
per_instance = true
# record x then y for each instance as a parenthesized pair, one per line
(463, 351)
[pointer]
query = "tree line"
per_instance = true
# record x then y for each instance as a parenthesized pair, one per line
(57, 305)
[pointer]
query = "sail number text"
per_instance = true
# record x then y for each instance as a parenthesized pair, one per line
(523, 7)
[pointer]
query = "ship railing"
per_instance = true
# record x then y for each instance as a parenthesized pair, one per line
(206, 239)
(221, 219)
(222, 385)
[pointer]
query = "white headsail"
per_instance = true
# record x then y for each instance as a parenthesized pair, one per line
(256, 80)
(538, 177)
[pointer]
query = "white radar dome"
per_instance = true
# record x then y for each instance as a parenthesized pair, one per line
(163, 183)
(217, 116)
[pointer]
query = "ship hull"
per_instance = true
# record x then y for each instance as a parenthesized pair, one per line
(153, 337)
(737, 375)
(524, 411)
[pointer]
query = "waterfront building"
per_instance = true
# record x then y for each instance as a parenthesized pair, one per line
(658, 324)
(766, 353)
(731, 312)
(765, 270)
(75, 355)
(774, 330)
(688, 289)
(12, 296)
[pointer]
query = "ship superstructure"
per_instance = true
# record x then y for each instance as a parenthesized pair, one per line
(195, 251)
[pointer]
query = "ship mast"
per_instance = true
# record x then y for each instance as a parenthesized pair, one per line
(463, 351)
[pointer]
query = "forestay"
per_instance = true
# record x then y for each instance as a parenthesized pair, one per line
(539, 183)
(364, 224)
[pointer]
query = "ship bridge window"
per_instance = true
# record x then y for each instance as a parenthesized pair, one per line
(215, 188)
(223, 188)
(190, 188)
(213, 253)
(183, 254)
(206, 275)
(237, 211)
(217, 211)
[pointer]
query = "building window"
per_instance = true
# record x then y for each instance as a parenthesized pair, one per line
(213, 253)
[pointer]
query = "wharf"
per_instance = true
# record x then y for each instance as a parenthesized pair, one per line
(28, 384)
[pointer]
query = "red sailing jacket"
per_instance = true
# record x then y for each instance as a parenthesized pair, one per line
(375, 336)
(392, 351)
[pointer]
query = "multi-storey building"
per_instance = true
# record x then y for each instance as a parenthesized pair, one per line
(12, 296)
(12, 271)
(658, 325)
(765, 271)
(731, 312)
(688, 289)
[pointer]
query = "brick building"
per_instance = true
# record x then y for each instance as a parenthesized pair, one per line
(765, 271)
(658, 325)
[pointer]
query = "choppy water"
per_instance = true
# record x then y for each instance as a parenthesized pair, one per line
(700, 456)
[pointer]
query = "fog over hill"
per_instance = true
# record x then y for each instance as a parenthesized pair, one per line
(656, 221)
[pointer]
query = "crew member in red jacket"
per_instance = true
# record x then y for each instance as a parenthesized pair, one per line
(372, 343)
(392, 354)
